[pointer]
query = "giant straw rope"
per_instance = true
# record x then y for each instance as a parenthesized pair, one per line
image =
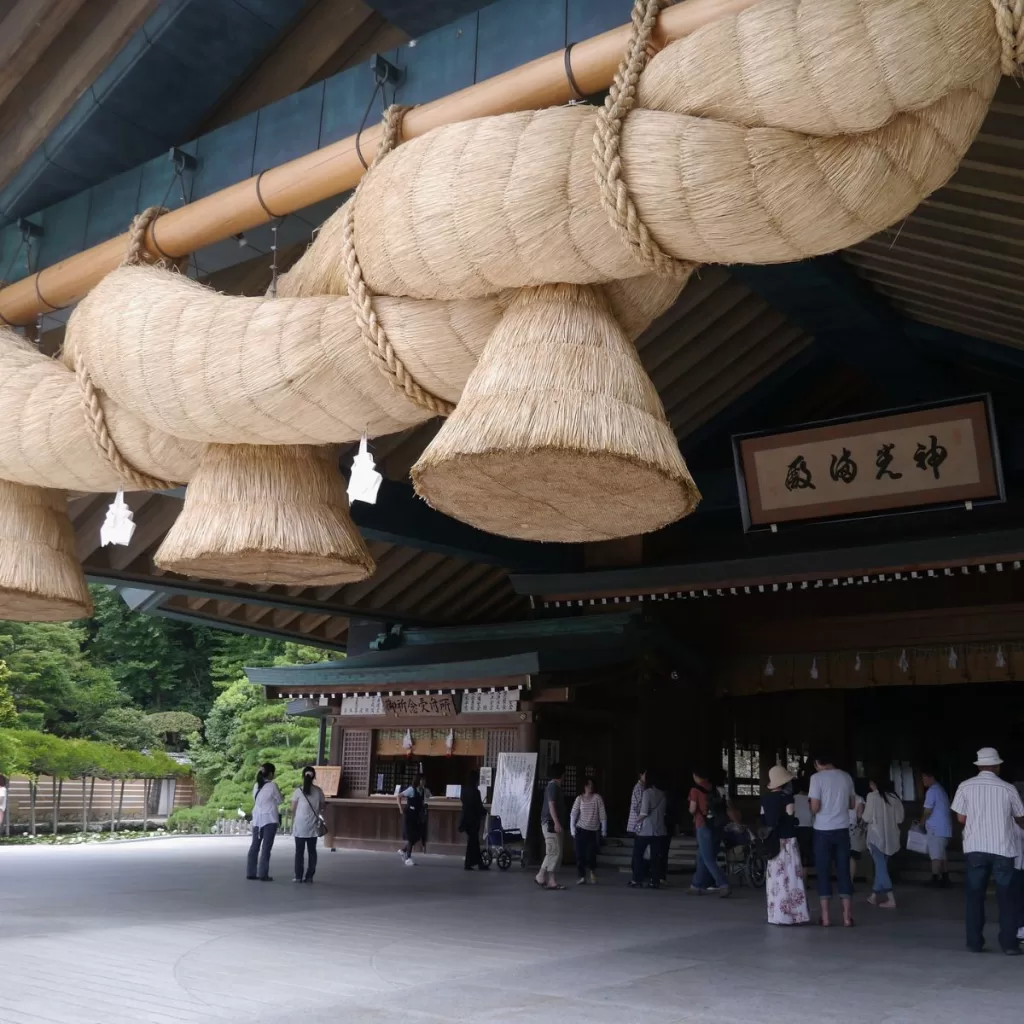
(491, 271)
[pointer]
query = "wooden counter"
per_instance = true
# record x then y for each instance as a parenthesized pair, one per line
(373, 823)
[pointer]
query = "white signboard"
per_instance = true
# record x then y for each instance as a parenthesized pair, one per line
(487, 703)
(358, 704)
(513, 790)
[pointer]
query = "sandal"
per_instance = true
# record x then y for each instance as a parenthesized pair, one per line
(553, 888)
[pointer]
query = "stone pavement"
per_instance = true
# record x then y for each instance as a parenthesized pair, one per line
(170, 932)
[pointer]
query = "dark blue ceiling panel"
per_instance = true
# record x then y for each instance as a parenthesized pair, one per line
(152, 96)
(503, 43)
(419, 16)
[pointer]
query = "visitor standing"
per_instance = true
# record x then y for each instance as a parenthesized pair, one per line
(989, 810)
(588, 822)
(634, 802)
(414, 817)
(552, 824)
(651, 835)
(832, 798)
(472, 820)
(710, 810)
(307, 816)
(787, 897)
(883, 815)
(266, 817)
(938, 825)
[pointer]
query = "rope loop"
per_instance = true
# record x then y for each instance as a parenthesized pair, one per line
(1010, 27)
(615, 197)
(372, 330)
(95, 418)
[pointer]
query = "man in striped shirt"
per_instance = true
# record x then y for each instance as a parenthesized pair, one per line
(989, 811)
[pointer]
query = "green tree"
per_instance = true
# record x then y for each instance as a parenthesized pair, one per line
(127, 728)
(174, 727)
(8, 709)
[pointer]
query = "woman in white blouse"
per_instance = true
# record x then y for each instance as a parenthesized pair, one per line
(266, 816)
(587, 821)
(883, 815)
(307, 817)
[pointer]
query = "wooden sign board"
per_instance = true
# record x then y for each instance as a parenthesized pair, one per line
(432, 705)
(937, 455)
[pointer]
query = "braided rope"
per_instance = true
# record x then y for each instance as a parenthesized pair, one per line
(615, 197)
(377, 342)
(95, 418)
(1010, 26)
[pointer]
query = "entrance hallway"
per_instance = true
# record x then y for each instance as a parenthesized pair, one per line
(170, 933)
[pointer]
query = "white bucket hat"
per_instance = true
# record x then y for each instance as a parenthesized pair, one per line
(778, 777)
(988, 757)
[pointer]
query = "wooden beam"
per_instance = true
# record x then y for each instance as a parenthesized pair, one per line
(26, 31)
(88, 43)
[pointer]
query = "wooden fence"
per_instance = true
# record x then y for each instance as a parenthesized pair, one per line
(165, 795)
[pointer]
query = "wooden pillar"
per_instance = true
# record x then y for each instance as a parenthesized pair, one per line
(526, 732)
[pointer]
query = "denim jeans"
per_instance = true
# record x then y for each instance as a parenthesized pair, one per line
(655, 866)
(1018, 878)
(708, 873)
(585, 842)
(981, 867)
(302, 845)
(829, 844)
(883, 883)
(258, 865)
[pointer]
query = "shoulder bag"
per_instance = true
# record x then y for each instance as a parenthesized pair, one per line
(321, 825)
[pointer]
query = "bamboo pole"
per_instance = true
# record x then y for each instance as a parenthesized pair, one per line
(336, 168)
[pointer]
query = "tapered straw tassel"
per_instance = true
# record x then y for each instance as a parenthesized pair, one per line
(266, 514)
(40, 577)
(559, 434)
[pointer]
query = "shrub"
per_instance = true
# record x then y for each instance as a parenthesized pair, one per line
(194, 820)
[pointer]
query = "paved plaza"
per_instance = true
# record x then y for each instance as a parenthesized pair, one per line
(169, 932)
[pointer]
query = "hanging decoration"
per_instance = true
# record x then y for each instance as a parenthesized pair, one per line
(431, 293)
(1000, 659)
(364, 481)
(118, 525)
(449, 743)
(953, 658)
(407, 743)
(856, 662)
(769, 668)
(814, 668)
(903, 663)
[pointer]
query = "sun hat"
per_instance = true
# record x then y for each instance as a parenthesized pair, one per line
(778, 777)
(988, 757)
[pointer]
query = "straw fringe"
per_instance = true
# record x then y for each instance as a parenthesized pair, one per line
(559, 435)
(262, 514)
(40, 578)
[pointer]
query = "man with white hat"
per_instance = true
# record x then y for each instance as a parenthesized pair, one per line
(989, 809)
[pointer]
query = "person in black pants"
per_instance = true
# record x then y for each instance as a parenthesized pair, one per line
(307, 816)
(472, 819)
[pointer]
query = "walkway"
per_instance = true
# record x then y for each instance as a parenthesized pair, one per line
(170, 933)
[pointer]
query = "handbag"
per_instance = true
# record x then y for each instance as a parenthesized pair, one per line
(321, 825)
(917, 840)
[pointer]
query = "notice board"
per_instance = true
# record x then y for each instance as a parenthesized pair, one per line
(513, 790)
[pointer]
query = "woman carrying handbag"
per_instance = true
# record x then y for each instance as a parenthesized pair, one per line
(309, 824)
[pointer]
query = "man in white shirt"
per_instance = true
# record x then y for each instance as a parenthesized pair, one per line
(990, 811)
(832, 797)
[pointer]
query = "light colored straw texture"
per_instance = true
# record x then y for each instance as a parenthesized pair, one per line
(560, 434)
(40, 578)
(267, 514)
(795, 143)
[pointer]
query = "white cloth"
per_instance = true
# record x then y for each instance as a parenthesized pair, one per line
(883, 818)
(1019, 862)
(990, 805)
(588, 813)
(267, 803)
(306, 811)
(834, 788)
(802, 806)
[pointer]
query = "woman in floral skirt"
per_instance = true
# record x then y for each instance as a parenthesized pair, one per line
(787, 899)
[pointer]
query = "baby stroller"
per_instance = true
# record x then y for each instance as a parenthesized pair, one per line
(744, 856)
(503, 845)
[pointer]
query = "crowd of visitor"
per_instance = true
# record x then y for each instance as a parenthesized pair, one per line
(825, 819)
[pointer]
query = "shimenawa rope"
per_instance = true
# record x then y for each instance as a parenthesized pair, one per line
(95, 419)
(371, 329)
